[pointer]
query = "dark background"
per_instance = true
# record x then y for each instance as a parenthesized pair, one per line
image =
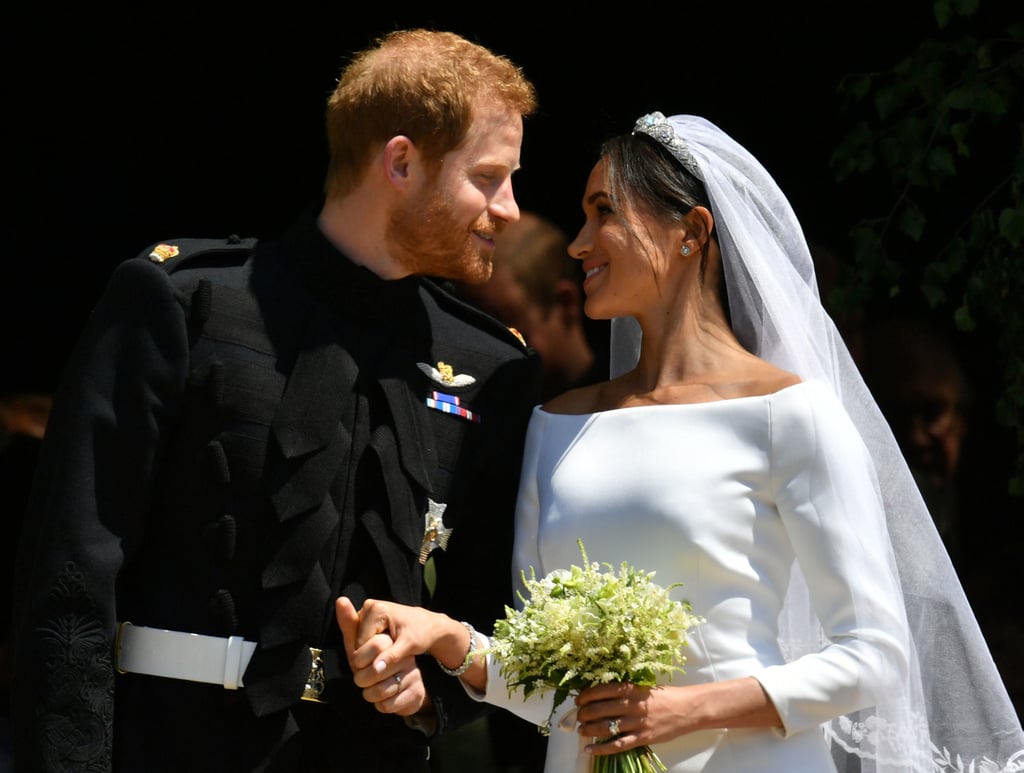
(126, 129)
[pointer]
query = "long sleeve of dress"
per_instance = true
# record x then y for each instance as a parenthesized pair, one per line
(826, 496)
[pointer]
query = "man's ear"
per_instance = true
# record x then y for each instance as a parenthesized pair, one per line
(400, 158)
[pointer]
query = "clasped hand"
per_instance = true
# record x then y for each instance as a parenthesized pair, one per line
(380, 653)
(383, 639)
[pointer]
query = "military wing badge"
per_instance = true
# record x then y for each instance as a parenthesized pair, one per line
(435, 533)
(445, 374)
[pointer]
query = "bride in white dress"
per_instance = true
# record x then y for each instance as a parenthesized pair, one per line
(737, 451)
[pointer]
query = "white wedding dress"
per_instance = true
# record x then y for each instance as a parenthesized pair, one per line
(726, 497)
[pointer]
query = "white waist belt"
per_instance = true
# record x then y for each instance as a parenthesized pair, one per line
(180, 655)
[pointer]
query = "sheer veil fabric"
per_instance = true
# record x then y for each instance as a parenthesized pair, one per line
(953, 711)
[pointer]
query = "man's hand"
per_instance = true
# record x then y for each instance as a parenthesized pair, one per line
(393, 686)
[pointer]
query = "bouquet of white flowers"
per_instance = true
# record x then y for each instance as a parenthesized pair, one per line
(584, 626)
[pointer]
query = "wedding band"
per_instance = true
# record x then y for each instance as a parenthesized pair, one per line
(613, 726)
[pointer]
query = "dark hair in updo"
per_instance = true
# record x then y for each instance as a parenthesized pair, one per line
(645, 175)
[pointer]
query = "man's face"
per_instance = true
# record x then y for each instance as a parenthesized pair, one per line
(447, 227)
(929, 423)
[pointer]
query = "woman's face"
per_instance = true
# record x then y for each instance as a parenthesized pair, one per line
(623, 253)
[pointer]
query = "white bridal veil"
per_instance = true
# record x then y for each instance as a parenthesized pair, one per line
(953, 712)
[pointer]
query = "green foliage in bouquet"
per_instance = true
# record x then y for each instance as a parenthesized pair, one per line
(585, 626)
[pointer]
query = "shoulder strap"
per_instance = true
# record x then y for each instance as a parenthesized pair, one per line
(176, 253)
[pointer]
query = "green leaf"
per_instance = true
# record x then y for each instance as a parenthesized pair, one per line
(886, 102)
(963, 319)
(988, 100)
(961, 99)
(1011, 225)
(966, 7)
(912, 222)
(958, 133)
(933, 294)
(940, 161)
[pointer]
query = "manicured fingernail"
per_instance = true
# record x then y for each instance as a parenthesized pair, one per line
(379, 666)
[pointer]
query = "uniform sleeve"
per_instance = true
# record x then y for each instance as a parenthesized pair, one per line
(87, 512)
(827, 496)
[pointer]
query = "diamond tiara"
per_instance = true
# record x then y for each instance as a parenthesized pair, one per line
(656, 125)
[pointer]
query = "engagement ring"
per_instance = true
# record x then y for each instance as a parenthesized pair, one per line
(613, 726)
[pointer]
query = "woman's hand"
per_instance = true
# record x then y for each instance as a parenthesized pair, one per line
(383, 638)
(642, 716)
(393, 686)
(632, 716)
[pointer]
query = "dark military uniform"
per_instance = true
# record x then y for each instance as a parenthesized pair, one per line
(243, 434)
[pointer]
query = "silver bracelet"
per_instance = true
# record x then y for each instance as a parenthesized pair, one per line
(469, 655)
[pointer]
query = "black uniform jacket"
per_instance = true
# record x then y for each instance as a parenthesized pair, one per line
(244, 433)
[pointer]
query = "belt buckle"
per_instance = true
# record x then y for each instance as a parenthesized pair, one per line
(315, 681)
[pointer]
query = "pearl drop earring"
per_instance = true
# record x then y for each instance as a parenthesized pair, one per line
(684, 250)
